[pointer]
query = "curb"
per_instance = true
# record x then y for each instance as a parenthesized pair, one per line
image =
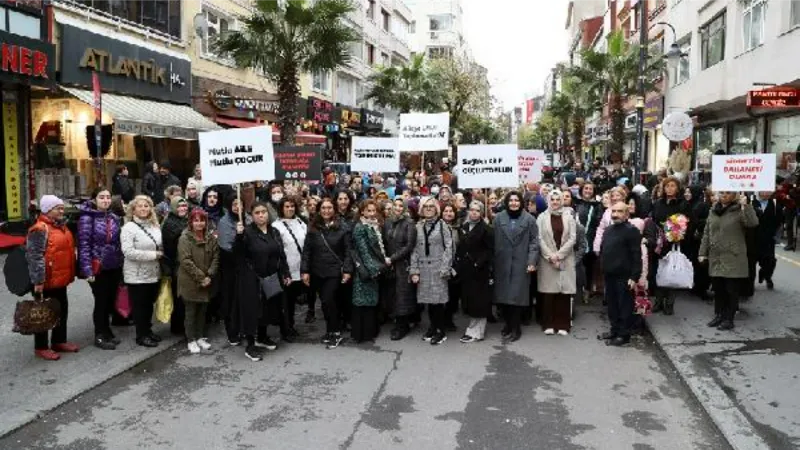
(728, 418)
(9, 427)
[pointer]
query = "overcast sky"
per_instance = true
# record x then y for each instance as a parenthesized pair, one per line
(519, 41)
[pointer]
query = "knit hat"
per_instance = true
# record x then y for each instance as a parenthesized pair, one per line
(176, 202)
(48, 202)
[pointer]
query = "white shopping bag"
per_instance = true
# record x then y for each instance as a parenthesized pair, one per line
(675, 271)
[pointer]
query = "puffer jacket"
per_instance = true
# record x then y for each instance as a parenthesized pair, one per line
(98, 239)
(140, 243)
(50, 250)
(318, 260)
(196, 261)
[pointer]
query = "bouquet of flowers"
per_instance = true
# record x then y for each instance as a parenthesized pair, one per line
(675, 227)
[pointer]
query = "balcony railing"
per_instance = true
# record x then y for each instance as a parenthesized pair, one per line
(403, 10)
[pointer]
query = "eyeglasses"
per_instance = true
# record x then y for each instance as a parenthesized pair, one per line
(429, 207)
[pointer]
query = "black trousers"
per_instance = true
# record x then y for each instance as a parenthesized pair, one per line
(437, 314)
(290, 295)
(344, 296)
(143, 297)
(364, 322)
(58, 335)
(620, 306)
(104, 290)
(328, 290)
(726, 296)
(588, 264)
(453, 297)
(789, 215)
(513, 317)
(766, 260)
(229, 308)
(176, 321)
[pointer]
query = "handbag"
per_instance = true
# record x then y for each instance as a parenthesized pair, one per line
(36, 316)
(123, 302)
(641, 303)
(675, 271)
(271, 286)
(164, 302)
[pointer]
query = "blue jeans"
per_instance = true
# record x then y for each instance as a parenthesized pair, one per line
(620, 306)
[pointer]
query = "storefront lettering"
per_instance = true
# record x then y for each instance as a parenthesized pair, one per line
(774, 98)
(103, 61)
(23, 61)
(351, 118)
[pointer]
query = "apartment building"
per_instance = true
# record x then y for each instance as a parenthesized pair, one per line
(735, 46)
(437, 28)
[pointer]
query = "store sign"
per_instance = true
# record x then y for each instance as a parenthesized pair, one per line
(224, 101)
(349, 117)
(298, 162)
(653, 113)
(371, 120)
(27, 61)
(320, 110)
(146, 129)
(11, 156)
(123, 68)
(783, 97)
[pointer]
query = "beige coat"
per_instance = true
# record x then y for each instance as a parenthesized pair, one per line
(553, 280)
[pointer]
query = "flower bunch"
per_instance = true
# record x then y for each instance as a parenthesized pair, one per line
(675, 227)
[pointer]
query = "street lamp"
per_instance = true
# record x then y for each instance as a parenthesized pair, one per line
(673, 57)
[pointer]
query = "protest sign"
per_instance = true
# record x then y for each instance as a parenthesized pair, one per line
(487, 166)
(236, 156)
(752, 172)
(302, 163)
(530, 165)
(424, 132)
(374, 154)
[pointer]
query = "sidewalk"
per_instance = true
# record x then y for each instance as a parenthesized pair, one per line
(31, 387)
(747, 379)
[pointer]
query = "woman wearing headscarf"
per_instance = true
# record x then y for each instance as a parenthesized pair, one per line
(516, 253)
(474, 257)
(556, 269)
(399, 294)
(212, 205)
(226, 238)
(176, 222)
(431, 268)
(193, 195)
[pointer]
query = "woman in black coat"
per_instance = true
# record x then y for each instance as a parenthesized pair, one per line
(327, 266)
(474, 268)
(259, 249)
(399, 294)
(174, 225)
(670, 203)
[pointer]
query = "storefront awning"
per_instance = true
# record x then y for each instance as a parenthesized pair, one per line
(147, 117)
(301, 138)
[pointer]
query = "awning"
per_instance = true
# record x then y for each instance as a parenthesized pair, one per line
(301, 138)
(147, 117)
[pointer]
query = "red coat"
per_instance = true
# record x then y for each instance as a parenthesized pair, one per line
(59, 254)
(786, 194)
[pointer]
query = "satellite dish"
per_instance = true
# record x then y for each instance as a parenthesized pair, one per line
(200, 25)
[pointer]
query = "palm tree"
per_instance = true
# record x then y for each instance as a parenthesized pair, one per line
(407, 88)
(614, 75)
(561, 109)
(281, 40)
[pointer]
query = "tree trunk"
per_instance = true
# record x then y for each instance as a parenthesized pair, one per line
(577, 136)
(617, 129)
(288, 91)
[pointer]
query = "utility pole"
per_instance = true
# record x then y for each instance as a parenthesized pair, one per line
(640, 101)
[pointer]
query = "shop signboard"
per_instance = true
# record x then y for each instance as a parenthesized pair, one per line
(778, 97)
(653, 113)
(123, 67)
(320, 110)
(488, 166)
(26, 61)
(375, 154)
(349, 117)
(743, 173)
(149, 129)
(302, 163)
(11, 156)
(238, 155)
(371, 120)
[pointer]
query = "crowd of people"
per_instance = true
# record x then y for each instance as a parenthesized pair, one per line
(379, 251)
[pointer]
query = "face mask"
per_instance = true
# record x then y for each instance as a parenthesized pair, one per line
(435, 190)
(277, 197)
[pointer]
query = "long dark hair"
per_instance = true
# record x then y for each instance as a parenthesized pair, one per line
(317, 222)
(283, 203)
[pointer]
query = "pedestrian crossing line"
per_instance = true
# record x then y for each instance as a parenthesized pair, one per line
(789, 260)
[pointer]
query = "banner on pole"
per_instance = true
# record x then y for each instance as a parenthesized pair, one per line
(752, 172)
(375, 154)
(531, 163)
(424, 132)
(237, 155)
(488, 166)
(302, 163)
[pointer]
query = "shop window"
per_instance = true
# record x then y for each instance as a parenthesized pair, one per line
(712, 41)
(709, 141)
(321, 81)
(744, 138)
(753, 18)
(784, 141)
(23, 24)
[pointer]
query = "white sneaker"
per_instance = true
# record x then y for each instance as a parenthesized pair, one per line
(194, 348)
(563, 333)
(203, 343)
(549, 331)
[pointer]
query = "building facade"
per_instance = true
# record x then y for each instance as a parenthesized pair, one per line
(437, 29)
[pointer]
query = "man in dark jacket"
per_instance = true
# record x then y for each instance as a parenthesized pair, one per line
(621, 255)
(164, 180)
(149, 180)
(122, 185)
(770, 217)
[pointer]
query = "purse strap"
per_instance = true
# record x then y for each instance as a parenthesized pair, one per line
(294, 238)
(147, 233)
(325, 241)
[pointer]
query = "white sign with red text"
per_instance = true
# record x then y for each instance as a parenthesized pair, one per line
(530, 165)
(751, 173)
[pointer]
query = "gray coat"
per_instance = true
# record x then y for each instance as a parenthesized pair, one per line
(724, 241)
(552, 279)
(514, 251)
(432, 262)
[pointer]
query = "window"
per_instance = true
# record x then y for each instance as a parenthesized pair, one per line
(23, 24)
(753, 23)
(160, 15)
(371, 10)
(217, 26)
(370, 54)
(440, 52)
(400, 29)
(412, 29)
(681, 72)
(795, 13)
(712, 41)
(321, 81)
(357, 50)
(386, 20)
(441, 22)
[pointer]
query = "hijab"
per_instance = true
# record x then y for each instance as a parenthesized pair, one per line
(555, 194)
(507, 198)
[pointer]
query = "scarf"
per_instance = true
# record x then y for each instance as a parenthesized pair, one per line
(427, 231)
(376, 227)
(514, 214)
(719, 209)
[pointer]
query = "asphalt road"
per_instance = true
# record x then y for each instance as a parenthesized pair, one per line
(543, 392)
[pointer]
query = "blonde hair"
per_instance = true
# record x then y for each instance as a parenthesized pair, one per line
(132, 206)
(429, 199)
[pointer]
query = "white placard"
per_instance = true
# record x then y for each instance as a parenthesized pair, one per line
(374, 154)
(751, 173)
(424, 132)
(677, 126)
(530, 164)
(237, 155)
(488, 166)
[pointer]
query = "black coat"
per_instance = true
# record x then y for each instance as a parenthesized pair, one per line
(149, 186)
(123, 186)
(400, 239)
(171, 231)
(769, 220)
(474, 257)
(161, 183)
(664, 208)
(318, 260)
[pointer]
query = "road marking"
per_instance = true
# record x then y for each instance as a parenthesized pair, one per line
(789, 260)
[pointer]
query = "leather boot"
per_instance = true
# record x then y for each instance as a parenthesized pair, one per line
(715, 321)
